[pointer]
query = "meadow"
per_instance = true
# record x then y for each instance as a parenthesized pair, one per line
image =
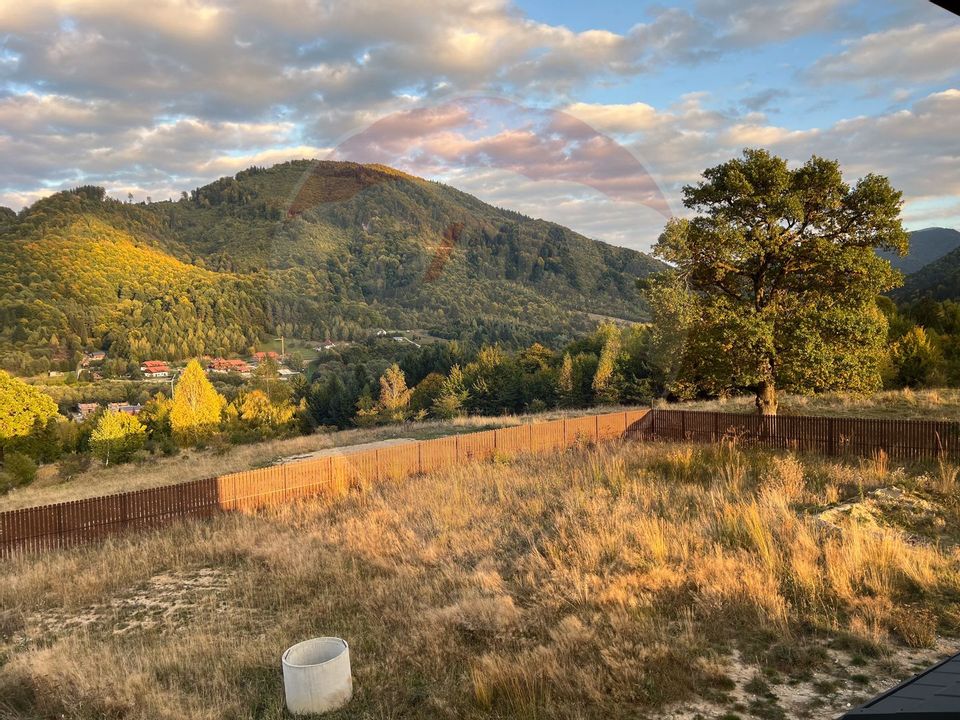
(905, 404)
(631, 580)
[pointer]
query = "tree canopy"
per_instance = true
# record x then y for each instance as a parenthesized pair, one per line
(22, 408)
(117, 436)
(774, 281)
(197, 406)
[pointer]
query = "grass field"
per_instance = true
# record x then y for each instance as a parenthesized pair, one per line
(304, 348)
(629, 581)
(939, 404)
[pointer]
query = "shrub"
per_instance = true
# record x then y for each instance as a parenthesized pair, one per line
(72, 465)
(20, 468)
(7, 483)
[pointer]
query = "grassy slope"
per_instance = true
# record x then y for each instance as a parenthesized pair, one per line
(939, 404)
(560, 587)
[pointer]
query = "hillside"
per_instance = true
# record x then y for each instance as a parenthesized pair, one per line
(926, 246)
(939, 280)
(306, 249)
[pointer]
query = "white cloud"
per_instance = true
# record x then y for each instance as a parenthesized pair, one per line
(917, 53)
(159, 97)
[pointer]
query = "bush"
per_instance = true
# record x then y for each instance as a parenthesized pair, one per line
(72, 465)
(20, 468)
(7, 483)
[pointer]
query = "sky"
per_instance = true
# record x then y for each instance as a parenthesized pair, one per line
(592, 114)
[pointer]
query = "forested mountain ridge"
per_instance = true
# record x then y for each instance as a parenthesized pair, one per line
(939, 280)
(305, 249)
(926, 246)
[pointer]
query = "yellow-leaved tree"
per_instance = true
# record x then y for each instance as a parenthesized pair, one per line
(22, 408)
(394, 395)
(197, 406)
(117, 437)
(605, 381)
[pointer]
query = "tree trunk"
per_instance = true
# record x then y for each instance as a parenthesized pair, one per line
(767, 398)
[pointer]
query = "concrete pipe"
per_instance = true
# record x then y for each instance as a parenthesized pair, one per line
(316, 675)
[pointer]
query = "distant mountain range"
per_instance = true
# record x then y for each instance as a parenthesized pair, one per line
(926, 246)
(308, 249)
(932, 267)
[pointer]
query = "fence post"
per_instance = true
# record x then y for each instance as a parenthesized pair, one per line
(683, 425)
(60, 539)
(831, 436)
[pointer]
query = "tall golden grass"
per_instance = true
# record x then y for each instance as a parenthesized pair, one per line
(600, 583)
(906, 404)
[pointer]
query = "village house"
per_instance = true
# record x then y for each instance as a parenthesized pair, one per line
(85, 410)
(224, 365)
(125, 408)
(97, 356)
(259, 357)
(155, 369)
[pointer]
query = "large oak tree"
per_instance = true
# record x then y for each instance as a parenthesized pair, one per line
(774, 281)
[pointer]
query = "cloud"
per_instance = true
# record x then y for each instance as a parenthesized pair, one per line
(164, 96)
(761, 100)
(921, 52)
(754, 23)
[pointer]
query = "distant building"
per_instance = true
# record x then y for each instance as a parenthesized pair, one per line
(325, 345)
(381, 333)
(155, 369)
(287, 372)
(224, 365)
(259, 357)
(97, 356)
(85, 410)
(125, 408)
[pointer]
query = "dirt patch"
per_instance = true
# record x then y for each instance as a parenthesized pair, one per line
(846, 683)
(165, 602)
(894, 507)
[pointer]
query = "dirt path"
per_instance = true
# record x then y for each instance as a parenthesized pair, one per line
(343, 450)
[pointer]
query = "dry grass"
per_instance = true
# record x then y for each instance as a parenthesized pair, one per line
(155, 471)
(938, 404)
(631, 581)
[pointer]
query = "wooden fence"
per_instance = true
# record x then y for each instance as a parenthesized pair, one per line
(76, 522)
(80, 521)
(903, 439)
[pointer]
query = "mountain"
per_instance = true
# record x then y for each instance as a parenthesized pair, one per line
(926, 246)
(939, 280)
(308, 249)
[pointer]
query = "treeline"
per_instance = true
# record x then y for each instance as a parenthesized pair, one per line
(196, 414)
(612, 365)
(441, 380)
(924, 343)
